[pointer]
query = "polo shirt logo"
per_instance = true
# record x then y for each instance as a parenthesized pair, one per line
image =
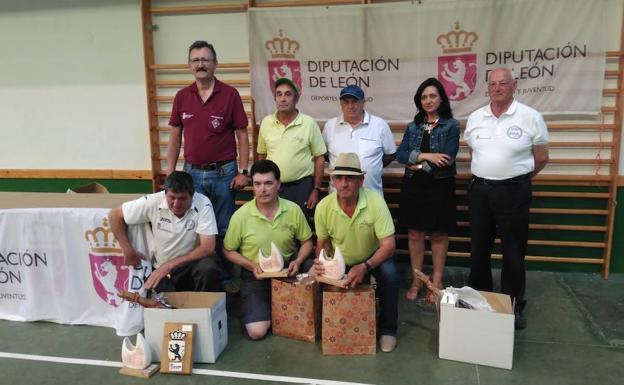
(164, 224)
(366, 223)
(288, 228)
(163, 227)
(216, 121)
(186, 116)
(189, 224)
(514, 132)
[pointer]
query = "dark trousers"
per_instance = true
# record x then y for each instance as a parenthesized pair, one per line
(499, 208)
(298, 192)
(255, 298)
(201, 275)
(387, 278)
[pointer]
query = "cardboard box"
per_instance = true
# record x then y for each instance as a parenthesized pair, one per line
(478, 336)
(91, 188)
(26, 200)
(205, 310)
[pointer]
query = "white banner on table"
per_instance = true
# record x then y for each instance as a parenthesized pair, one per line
(63, 265)
(555, 48)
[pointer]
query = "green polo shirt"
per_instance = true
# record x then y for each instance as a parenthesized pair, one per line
(358, 237)
(249, 230)
(291, 147)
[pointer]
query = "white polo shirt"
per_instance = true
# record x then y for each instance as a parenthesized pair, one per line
(370, 140)
(173, 236)
(502, 147)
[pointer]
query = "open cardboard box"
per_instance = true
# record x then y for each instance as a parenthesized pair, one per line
(91, 188)
(27, 200)
(205, 310)
(478, 336)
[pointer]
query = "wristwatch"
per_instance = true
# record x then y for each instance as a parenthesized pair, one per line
(368, 266)
(243, 171)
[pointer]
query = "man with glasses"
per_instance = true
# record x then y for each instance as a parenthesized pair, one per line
(210, 116)
(508, 143)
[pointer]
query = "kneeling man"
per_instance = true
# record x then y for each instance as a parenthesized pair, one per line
(184, 229)
(264, 220)
(358, 221)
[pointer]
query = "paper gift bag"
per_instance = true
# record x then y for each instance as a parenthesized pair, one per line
(349, 325)
(295, 308)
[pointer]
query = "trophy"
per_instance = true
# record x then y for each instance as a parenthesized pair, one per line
(137, 359)
(334, 268)
(273, 265)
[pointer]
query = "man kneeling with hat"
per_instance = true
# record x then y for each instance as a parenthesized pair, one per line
(358, 221)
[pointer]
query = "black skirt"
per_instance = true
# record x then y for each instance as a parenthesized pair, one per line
(427, 204)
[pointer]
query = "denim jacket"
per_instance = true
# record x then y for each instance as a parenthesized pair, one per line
(444, 139)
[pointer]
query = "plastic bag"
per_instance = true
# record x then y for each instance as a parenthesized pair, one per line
(469, 298)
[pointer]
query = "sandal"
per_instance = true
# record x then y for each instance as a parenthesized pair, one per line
(412, 293)
(432, 297)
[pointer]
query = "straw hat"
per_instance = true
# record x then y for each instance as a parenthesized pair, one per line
(347, 163)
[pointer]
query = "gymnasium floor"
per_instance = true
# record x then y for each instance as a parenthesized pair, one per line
(575, 335)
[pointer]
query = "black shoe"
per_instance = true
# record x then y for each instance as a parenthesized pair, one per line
(520, 322)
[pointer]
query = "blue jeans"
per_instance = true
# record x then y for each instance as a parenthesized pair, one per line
(387, 278)
(388, 292)
(215, 185)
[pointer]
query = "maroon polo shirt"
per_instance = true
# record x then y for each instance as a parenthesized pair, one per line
(208, 127)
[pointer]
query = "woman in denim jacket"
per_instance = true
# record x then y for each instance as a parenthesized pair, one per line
(427, 203)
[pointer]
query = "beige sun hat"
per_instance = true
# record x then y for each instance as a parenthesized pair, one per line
(347, 163)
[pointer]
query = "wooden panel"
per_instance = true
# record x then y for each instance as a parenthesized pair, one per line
(591, 219)
(303, 3)
(530, 258)
(615, 153)
(242, 67)
(184, 83)
(76, 174)
(169, 99)
(193, 10)
(532, 242)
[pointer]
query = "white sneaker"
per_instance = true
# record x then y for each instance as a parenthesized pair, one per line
(387, 343)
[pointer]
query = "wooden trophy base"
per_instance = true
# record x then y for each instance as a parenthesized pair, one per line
(141, 373)
(331, 281)
(275, 274)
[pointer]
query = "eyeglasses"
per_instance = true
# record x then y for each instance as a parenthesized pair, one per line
(199, 60)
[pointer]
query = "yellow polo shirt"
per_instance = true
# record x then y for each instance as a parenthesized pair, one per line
(250, 230)
(293, 147)
(358, 237)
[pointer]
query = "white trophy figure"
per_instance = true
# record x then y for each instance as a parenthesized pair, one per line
(334, 267)
(273, 263)
(136, 356)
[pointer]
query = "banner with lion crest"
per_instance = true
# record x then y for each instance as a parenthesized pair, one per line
(556, 50)
(65, 265)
